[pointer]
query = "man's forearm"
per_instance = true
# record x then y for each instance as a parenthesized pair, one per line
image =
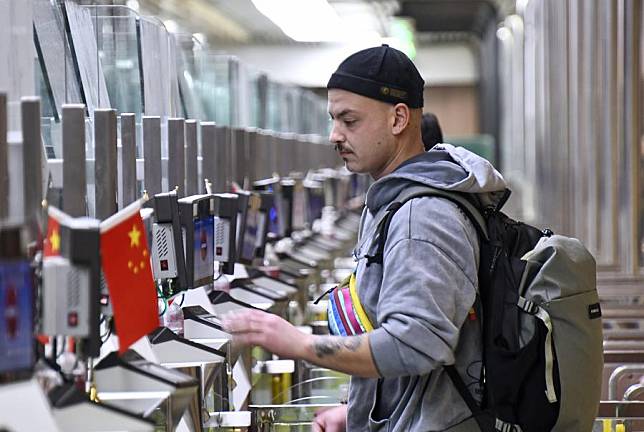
(348, 354)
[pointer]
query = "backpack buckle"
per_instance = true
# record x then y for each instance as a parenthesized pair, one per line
(503, 426)
(527, 306)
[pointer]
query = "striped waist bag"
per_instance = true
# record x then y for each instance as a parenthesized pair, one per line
(346, 316)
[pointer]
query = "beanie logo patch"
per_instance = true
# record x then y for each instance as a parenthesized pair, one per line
(388, 91)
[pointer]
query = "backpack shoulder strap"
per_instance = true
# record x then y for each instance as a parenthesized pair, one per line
(470, 210)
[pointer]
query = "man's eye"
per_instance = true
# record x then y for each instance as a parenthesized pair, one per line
(349, 122)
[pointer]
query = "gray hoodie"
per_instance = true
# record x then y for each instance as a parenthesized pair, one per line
(420, 298)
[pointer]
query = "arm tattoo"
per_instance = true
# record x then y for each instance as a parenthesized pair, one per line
(331, 345)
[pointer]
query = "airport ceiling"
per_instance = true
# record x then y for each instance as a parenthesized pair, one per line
(238, 21)
(469, 16)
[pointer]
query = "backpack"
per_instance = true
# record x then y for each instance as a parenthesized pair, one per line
(541, 321)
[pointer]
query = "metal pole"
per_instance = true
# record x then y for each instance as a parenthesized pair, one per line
(127, 166)
(74, 160)
(191, 152)
(31, 159)
(252, 168)
(222, 156)
(152, 154)
(176, 156)
(4, 162)
(233, 146)
(105, 162)
(208, 159)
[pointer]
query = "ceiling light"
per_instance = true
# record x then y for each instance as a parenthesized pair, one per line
(201, 38)
(504, 34)
(171, 26)
(306, 20)
(132, 4)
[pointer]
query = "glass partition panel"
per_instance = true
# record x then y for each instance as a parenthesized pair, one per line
(159, 69)
(189, 69)
(252, 84)
(275, 110)
(49, 114)
(116, 34)
(215, 87)
(17, 56)
(56, 77)
(84, 35)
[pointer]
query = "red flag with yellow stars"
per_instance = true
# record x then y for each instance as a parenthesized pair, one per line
(51, 244)
(126, 264)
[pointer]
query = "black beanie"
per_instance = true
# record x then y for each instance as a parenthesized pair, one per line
(381, 73)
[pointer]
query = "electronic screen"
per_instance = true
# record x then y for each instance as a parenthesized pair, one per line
(251, 235)
(16, 316)
(275, 229)
(342, 191)
(315, 198)
(286, 208)
(204, 241)
(273, 216)
(299, 206)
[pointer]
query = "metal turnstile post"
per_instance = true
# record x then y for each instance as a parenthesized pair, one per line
(176, 156)
(152, 154)
(105, 162)
(74, 160)
(32, 154)
(127, 163)
(208, 159)
(223, 156)
(191, 153)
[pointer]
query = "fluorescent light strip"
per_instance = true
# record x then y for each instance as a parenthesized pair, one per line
(307, 20)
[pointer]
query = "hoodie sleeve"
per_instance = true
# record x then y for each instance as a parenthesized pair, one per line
(428, 287)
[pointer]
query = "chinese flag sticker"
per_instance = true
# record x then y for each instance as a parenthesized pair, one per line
(51, 244)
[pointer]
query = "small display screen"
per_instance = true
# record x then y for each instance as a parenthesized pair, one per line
(204, 242)
(274, 214)
(273, 220)
(316, 204)
(251, 234)
(16, 316)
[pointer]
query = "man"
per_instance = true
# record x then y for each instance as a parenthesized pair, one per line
(420, 298)
(430, 130)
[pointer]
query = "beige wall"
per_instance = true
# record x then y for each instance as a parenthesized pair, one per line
(456, 107)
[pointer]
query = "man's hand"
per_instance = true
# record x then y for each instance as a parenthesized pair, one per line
(331, 420)
(348, 354)
(274, 334)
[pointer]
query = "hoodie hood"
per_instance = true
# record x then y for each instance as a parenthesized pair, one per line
(443, 167)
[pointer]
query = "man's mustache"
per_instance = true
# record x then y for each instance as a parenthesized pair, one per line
(339, 148)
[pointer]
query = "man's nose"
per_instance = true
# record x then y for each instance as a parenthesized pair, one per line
(336, 137)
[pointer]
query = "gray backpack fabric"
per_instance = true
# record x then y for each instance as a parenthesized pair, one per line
(540, 318)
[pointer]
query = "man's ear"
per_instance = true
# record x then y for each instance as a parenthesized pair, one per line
(401, 118)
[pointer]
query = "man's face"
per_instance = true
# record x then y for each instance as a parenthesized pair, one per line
(361, 131)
